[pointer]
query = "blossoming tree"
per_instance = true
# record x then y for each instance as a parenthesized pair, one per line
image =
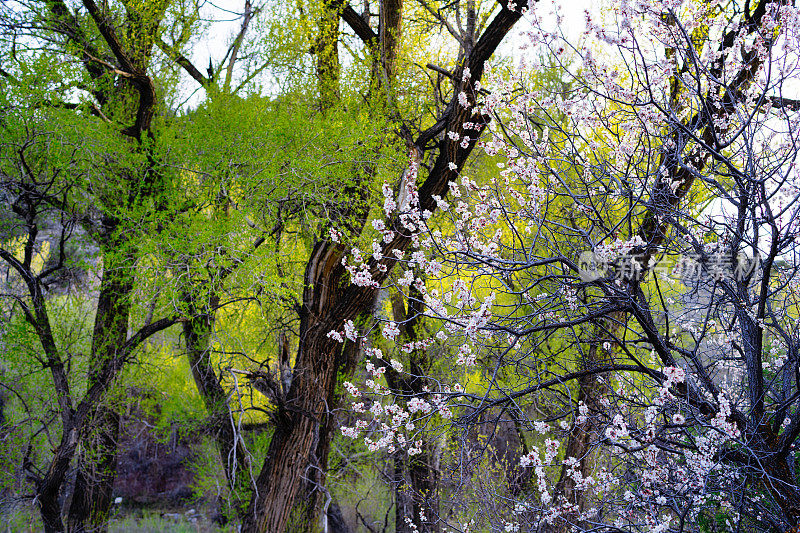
(624, 284)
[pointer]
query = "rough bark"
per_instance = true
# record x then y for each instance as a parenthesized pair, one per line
(391, 31)
(97, 462)
(49, 488)
(292, 442)
(318, 496)
(306, 405)
(97, 470)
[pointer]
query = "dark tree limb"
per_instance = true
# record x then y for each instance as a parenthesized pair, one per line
(184, 63)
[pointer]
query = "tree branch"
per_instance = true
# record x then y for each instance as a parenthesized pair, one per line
(357, 24)
(784, 103)
(110, 36)
(249, 12)
(183, 62)
(113, 365)
(40, 321)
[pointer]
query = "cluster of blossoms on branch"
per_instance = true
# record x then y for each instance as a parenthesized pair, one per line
(604, 159)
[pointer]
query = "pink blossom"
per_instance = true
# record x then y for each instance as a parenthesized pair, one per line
(391, 330)
(350, 330)
(335, 335)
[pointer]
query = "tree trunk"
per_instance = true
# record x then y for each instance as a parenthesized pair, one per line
(49, 488)
(335, 520)
(424, 483)
(327, 51)
(422, 476)
(94, 482)
(235, 460)
(97, 462)
(783, 488)
(307, 405)
(403, 500)
(291, 445)
(580, 445)
(391, 28)
(318, 496)
(328, 302)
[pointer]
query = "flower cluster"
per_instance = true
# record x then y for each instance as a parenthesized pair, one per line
(656, 394)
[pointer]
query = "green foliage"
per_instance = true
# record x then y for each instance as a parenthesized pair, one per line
(191, 198)
(712, 522)
(21, 518)
(168, 394)
(168, 522)
(357, 481)
(30, 407)
(208, 481)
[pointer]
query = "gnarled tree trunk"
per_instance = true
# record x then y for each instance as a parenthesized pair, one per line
(97, 460)
(306, 406)
(328, 302)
